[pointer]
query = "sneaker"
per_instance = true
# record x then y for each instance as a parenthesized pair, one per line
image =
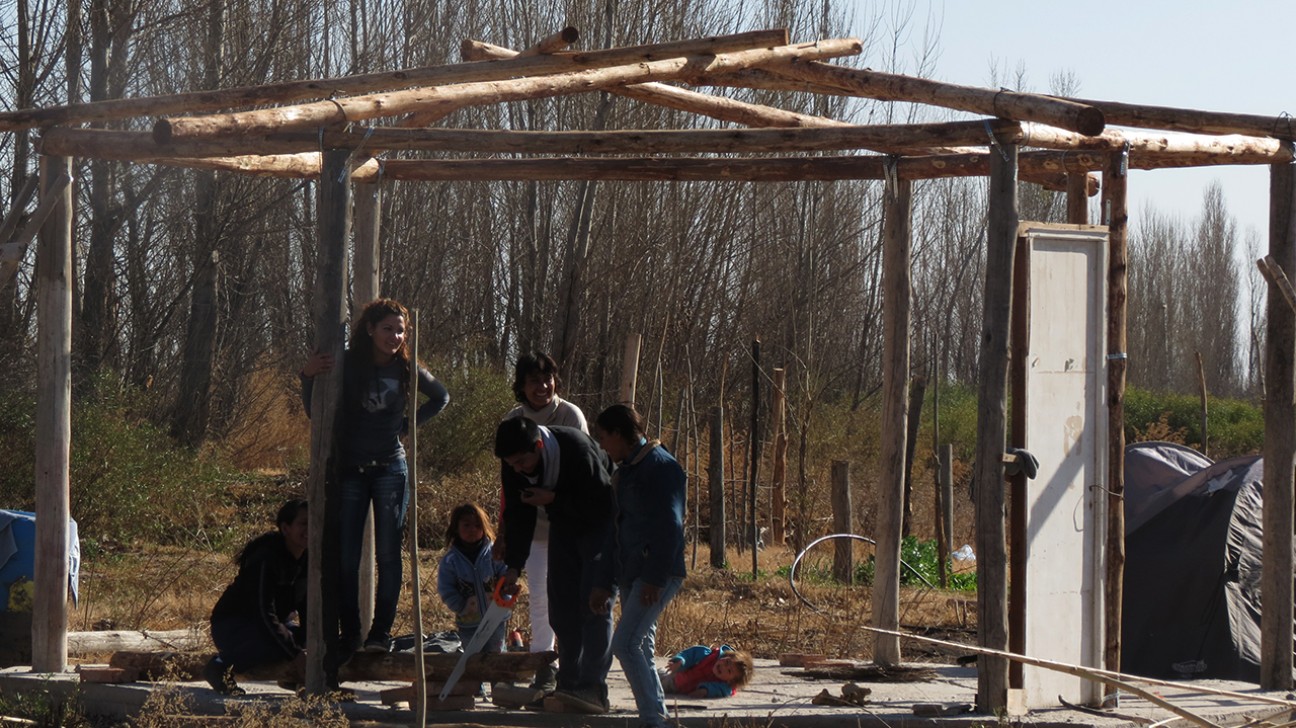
(221, 678)
(377, 644)
(584, 700)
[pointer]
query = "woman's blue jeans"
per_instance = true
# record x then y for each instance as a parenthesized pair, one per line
(386, 487)
(635, 644)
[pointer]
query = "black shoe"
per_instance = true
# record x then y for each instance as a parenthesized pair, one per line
(221, 678)
(378, 644)
(584, 700)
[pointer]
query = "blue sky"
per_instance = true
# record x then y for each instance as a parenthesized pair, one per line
(1204, 55)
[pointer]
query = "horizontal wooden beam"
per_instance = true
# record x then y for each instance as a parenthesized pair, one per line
(128, 145)
(1195, 149)
(341, 111)
(293, 91)
(1064, 113)
(1194, 120)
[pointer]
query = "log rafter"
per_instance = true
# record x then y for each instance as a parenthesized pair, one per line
(290, 91)
(337, 112)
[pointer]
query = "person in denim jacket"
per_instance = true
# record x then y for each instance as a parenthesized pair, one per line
(649, 552)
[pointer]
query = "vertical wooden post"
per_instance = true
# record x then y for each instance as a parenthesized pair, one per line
(1077, 198)
(917, 390)
(329, 316)
(420, 678)
(366, 287)
(1280, 441)
(778, 476)
(53, 420)
(992, 578)
(896, 287)
(843, 555)
(755, 445)
(945, 518)
(1201, 386)
(715, 481)
(630, 368)
(1115, 182)
(1019, 496)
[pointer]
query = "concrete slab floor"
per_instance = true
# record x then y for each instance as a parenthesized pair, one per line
(776, 697)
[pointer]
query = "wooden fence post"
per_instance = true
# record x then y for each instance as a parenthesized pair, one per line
(778, 476)
(53, 420)
(1077, 198)
(715, 480)
(1280, 441)
(843, 555)
(333, 220)
(992, 577)
(896, 291)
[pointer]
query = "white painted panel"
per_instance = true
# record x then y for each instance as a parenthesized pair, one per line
(1066, 429)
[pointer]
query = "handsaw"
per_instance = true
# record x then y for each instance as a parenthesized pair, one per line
(497, 613)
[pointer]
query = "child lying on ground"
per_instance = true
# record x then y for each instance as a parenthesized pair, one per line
(707, 672)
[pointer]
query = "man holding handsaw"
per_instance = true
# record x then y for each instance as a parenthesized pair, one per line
(565, 472)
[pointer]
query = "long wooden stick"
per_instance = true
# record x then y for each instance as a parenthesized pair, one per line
(1063, 113)
(420, 680)
(349, 109)
(1273, 273)
(672, 97)
(287, 92)
(1124, 680)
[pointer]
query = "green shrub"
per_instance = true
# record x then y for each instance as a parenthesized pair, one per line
(1235, 427)
(461, 438)
(128, 480)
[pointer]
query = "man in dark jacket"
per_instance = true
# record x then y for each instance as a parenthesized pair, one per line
(563, 471)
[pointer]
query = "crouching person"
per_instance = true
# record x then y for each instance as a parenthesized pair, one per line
(251, 623)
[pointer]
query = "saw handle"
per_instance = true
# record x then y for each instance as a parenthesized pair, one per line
(502, 598)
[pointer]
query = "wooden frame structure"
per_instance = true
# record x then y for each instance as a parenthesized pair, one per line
(322, 129)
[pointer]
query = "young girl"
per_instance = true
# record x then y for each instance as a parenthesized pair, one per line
(372, 469)
(468, 573)
(705, 672)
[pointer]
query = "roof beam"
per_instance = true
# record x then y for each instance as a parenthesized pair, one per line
(290, 91)
(336, 112)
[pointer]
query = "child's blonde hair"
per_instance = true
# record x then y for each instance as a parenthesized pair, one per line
(745, 666)
(466, 509)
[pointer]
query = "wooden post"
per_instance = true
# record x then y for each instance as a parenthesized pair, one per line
(1280, 441)
(1115, 181)
(365, 287)
(945, 518)
(917, 389)
(755, 447)
(420, 679)
(329, 315)
(1201, 385)
(53, 421)
(992, 578)
(1077, 198)
(1019, 493)
(630, 368)
(896, 287)
(715, 480)
(778, 476)
(843, 556)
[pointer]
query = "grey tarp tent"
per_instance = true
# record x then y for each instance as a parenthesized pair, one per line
(1193, 548)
